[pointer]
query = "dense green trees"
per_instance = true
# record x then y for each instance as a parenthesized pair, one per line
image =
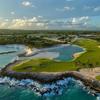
(37, 38)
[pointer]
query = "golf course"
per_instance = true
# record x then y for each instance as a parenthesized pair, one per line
(90, 58)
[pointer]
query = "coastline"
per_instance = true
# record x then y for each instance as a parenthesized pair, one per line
(78, 54)
(45, 77)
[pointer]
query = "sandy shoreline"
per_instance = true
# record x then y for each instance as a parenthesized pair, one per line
(76, 55)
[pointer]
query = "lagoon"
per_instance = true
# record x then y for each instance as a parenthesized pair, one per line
(59, 53)
(66, 52)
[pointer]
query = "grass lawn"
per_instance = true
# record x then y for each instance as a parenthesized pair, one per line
(44, 65)
(98, 77)
(91, 58)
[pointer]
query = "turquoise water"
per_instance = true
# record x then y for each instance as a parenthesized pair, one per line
(73, 92)
(66, 52)
(6, 58)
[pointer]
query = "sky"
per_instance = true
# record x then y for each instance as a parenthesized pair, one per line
(50, 14)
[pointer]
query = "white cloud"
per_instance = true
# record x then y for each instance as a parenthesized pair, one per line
(85, 23)
(74, 20)
(16, 23)
(23, 23)
(66, 8)
(97, 9)
(87, 7)
(12, 13)
(41, 23)
(28, 23)
(84, 18)
(3, 24)
(27, 4)
(79, 21)
(6, 20)
(34, 19)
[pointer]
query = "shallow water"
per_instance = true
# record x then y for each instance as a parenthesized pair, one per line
(60, 53)
(66, 52)
(6, 58)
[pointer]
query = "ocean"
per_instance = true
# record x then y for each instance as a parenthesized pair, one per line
(72, 92)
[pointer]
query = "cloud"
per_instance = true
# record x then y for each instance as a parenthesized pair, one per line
(66, 8)
(24, 23)
(39, 23)
(87, 8)
(84, 18)
(3, 24)
(97, 9)
(32, 23)
(77, 21)
(12, 13)
(27, 4)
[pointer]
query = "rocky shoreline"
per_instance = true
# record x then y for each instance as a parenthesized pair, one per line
(46, 77)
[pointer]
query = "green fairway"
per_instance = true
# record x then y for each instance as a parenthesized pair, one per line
(98, 77)
(44, 65)
(89, 59)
